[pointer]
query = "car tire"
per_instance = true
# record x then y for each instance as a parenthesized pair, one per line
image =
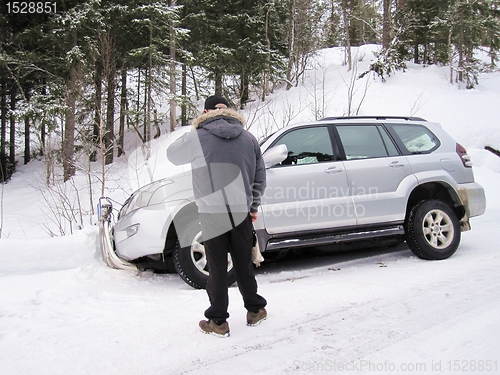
(433, 230)
(191, 262)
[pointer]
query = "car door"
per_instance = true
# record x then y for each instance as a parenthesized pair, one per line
(378, 175)
(308, 190)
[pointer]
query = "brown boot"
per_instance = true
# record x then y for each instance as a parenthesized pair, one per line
(210, 327)
(254, 319)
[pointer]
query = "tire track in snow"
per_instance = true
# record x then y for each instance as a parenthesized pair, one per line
(348, 334)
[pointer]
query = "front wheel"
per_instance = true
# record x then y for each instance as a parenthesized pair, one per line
(433, 230)
(191, 261)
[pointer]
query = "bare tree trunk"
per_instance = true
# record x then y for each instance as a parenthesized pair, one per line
(195, 83)
(469, 53)
(354, 24)
(243, 88)
(123, 109)
(460, 65)
(450, 54)
(42, 125)
(105, 139)
(3, 109)
(110, 117)
(386, 26)
(12, 142)
(138, 101)
(27, 150)
(265, 85)
(3, 155)
(173, 89)
(27, 129)
(69, 128)
(109, 64)
(218, 81)
(291, 45)
(184, 94)
(102, 147)
(68, 143)
(98, 113)
(156, 124)
(149, 84)
(149, 101)
(347, 36)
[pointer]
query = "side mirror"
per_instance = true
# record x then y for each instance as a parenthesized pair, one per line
(275, 155)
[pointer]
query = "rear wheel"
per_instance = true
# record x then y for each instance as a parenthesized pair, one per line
(433, 230)
(191, 261)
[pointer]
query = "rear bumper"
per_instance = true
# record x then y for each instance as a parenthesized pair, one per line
(473, 198)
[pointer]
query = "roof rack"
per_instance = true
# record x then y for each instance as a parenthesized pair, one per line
(406, 118)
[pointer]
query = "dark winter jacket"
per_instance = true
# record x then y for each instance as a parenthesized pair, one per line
(227, 165)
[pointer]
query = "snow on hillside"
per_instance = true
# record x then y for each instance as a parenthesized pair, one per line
(62, 311)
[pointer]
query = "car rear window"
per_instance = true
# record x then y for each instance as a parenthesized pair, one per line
(417, 139)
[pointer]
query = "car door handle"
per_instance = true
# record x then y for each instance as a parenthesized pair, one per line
(396, 164)
(333, 170)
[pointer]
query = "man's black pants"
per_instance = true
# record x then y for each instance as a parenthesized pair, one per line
(238, 242)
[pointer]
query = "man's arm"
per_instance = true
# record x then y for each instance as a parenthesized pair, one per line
(180, 152)
(259, 185)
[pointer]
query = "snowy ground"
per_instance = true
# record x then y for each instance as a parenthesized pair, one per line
(375, 311)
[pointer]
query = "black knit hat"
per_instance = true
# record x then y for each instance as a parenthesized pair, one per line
(213, 100)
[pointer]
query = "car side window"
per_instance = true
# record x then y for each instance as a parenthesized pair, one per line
(307, 146)
(417, 139)
(366, 141)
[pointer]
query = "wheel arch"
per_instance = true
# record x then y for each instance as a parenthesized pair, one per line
(436, 190)
(190, 210)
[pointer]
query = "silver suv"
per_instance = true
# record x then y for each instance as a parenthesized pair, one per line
(334, 181)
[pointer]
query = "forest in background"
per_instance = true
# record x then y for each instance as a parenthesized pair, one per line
(76, 75)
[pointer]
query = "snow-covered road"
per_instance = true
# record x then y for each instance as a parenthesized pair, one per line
(386, 311)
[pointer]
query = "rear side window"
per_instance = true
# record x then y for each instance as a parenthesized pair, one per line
(417, 139)
(365, 141)
(307, 146)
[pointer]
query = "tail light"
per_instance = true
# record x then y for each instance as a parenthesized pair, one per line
(462, 153)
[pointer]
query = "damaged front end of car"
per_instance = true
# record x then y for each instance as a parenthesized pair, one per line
(105, 213)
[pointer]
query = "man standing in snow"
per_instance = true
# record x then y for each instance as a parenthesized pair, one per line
(229, 178)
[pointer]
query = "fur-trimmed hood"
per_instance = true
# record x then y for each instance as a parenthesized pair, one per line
(226, 112)
(219, 142)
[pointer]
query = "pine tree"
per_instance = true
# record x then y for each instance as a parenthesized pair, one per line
(23, 66)
(470, 25)
(240, 39)
(157, 22)
(303, 37)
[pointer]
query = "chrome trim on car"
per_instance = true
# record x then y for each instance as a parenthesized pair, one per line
(107, 251)
(333, 238)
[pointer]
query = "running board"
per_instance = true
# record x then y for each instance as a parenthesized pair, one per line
(275, 244)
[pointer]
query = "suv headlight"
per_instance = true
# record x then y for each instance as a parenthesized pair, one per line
(131, 230)
(153, 193)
